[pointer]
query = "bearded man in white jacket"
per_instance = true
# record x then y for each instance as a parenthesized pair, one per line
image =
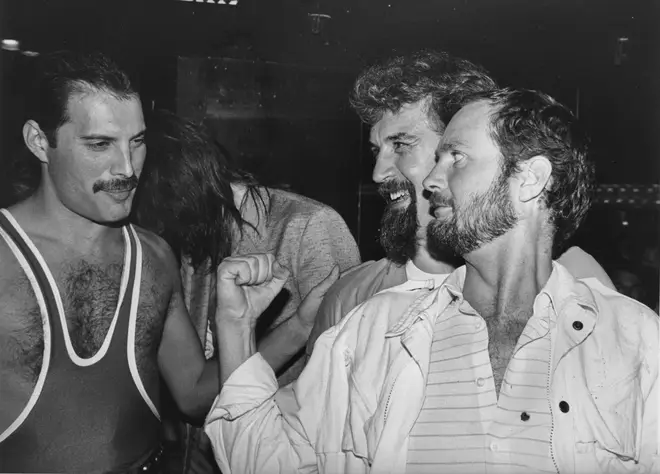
(509, 365)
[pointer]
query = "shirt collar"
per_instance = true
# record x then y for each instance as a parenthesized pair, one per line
(413, 272)
(561, 289)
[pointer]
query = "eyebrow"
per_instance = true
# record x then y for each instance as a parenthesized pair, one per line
(451, 145)
(140, 134)
(399, 136)
(394, 137)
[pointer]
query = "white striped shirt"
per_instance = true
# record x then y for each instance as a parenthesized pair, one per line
(463, 427)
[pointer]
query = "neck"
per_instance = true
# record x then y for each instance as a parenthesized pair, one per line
(43, 215)
(239, 190)
(428, 264)
(246, 205)
(503, 277)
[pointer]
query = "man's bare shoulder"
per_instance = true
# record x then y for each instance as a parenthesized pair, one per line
(157, 249)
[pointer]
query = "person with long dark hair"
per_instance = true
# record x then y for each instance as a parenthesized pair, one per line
(194, 196)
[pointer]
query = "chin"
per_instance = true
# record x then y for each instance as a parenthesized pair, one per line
(116, 215)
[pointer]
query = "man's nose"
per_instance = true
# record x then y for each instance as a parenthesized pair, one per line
(384, 168)
(437, 178)
(123, 162)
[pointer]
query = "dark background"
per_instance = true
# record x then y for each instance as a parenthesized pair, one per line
(275, 92)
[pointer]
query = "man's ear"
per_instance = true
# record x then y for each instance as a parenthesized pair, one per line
(536, 176)
(36, 141)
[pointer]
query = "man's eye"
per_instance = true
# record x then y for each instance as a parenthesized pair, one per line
(102, 145)
(137, 142)
(399, 146)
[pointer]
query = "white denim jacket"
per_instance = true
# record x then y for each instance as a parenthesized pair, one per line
(353, 407)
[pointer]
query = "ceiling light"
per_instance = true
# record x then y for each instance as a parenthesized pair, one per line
(10, 44)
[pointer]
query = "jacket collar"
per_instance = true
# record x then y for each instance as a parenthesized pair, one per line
(576, 310)
(572, 301)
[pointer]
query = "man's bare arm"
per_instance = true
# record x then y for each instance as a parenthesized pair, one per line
(246, 286)
(284, 342)
(192, 380)
(290, 337)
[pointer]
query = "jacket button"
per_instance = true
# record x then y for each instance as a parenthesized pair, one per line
(577, 325)
(524, 416)
(564, 407)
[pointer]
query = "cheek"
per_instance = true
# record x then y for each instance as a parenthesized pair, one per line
(138, 159)
(457, 189)
(76, 177)
(417, 166)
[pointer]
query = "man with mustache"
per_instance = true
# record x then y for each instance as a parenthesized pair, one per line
(91, 310)
(398, 99)
(509, 365)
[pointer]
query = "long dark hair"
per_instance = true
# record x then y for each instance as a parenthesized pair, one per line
(185, 193)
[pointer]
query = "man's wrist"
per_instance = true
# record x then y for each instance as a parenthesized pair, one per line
(301, 328)
(236, 344)
(236, 328)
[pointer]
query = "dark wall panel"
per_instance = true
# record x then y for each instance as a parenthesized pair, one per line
(290, 125)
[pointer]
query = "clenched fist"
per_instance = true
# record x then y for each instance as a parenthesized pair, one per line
(246, 285)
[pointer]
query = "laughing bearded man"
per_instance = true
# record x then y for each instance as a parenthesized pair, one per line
(401, 100)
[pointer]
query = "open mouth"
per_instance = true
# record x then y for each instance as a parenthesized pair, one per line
(398, 196)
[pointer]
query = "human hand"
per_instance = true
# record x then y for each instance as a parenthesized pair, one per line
(246, 285)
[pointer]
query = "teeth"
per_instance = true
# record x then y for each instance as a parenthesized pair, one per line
(397, 195)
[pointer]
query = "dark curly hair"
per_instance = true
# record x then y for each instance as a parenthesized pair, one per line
(185, 193)
(527, 123)
(405, 80)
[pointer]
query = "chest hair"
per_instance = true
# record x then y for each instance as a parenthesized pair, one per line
(502, 339)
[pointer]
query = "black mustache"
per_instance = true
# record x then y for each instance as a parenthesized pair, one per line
(116, 185)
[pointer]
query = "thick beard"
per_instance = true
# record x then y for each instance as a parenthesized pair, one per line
(486, 217)
(398, 230)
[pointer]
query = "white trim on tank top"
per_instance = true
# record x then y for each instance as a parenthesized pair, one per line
(75, 358)
(45, 363)
(130, 347)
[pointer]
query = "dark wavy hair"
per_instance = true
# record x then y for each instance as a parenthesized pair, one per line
(405, 80)
(185, 193)
(46, 84)
(527, 123)
(59, 75)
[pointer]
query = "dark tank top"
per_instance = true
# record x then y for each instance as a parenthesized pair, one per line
(85, 415)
